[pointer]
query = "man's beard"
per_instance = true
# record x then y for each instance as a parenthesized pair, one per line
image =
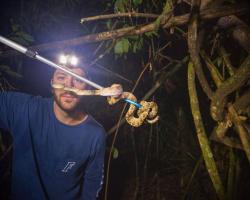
(78, 106)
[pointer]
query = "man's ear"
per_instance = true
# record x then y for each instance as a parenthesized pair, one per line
(51, 88)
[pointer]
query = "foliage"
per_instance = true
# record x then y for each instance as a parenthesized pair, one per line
(132, 44)
(115, 153)
(126, 5)
(18, 35)
(122, 46)
(4, 69)
(165, 160)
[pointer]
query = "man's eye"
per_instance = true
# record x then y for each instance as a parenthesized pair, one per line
(78, 81)
(60, 78)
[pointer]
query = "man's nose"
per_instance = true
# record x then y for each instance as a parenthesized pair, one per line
(69, 82)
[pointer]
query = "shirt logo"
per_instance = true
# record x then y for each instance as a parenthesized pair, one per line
(68, 166)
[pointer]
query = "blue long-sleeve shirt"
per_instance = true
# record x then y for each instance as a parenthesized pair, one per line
(51, 160)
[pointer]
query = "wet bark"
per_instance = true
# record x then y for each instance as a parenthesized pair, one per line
(193, 47)
(202, 137)
(241, 131)
(242, 74)
(237, 29)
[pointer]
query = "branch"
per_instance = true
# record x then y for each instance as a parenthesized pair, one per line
(136, 30)
(202, 137)
(231, 84)
(228, 63)
(118, 15)
(193, 48)
(209, 13)
(231, 142)
(206, 3)
(215, 74)
(243, 102)
(219, 135)
(241, 131)
(238, 29)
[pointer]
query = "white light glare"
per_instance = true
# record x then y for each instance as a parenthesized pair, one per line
(63, 59)
(73, 60)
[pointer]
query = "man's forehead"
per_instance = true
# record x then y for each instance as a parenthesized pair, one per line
(76, 70)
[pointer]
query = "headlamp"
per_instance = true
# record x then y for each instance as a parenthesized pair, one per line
(62, 59)
(68, 60)
(73, 60)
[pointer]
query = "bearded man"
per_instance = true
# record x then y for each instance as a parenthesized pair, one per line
(58, 149)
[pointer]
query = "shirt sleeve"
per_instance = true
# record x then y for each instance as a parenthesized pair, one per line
(94, 174)
(12, 109)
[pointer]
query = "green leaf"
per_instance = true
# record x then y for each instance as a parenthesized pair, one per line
(13, 74)
(122, 46)
(19, 40)
(158, 22)
(108, 24)
(137, 45)
(168, 6)
(137, 2)
(219, 61)
(25, 36)
(119, 6)
(6, 69)
(133, 37)
(180, 30)
(151, 34)
(115, 153)
(14, 26)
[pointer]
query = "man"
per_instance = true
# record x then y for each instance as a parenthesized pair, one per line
(58, 149)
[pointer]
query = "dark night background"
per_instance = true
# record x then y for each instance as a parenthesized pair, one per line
(154, 162)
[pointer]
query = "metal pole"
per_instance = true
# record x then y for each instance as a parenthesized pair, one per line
(35, 55)
(13, 45)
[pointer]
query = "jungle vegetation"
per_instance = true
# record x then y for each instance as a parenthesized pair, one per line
(190, 56)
